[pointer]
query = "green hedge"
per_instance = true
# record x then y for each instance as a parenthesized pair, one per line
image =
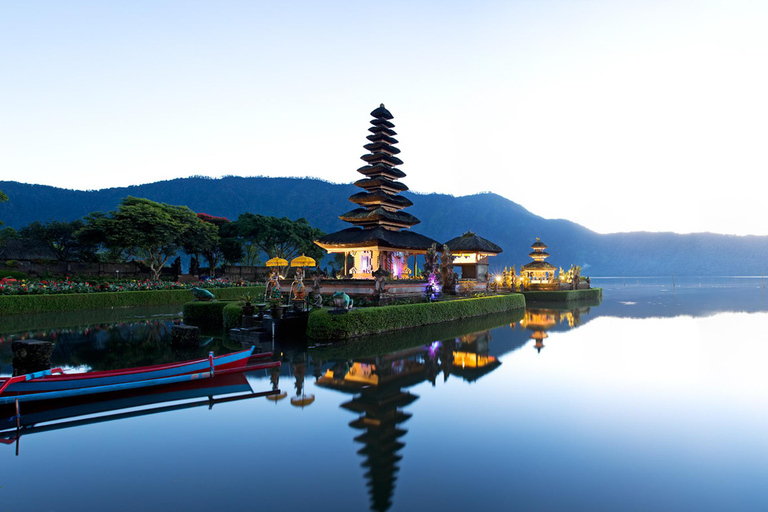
(232, 315)
(324, 325)
(564, 295)
(20, 304)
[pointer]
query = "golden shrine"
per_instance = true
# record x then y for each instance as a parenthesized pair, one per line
(538, 274)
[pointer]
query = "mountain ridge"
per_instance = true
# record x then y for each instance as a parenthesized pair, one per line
(443, 217)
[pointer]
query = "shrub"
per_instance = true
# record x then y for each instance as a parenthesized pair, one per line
(14, 274)
(232, 315)
(17, 304)
(358, 322)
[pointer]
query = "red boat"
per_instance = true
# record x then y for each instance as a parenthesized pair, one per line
(50, 384)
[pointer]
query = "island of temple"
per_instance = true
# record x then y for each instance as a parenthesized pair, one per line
(538, 274)
(380, 237)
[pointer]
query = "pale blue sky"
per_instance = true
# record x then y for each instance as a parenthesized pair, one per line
(619, 115)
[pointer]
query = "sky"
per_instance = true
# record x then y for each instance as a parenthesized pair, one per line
(634, 115)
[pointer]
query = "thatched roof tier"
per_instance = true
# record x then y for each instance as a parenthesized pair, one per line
(538, 244)
(381, 170)
(381, 157)
(379, 197)
(538, 265)
(382, 113)
(470, 242)
(382, 130)
(381, 182)
(381, 137)
(379, 216)
(382, 122)
(382, 146)
(538, 254)
(375, 237)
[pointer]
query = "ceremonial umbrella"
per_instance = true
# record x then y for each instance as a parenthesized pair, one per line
(303, 261)
(277, 262)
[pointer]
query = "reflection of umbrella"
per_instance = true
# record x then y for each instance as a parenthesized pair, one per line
(278, 396)
(277, 262)
(303, 261)
(303, 400)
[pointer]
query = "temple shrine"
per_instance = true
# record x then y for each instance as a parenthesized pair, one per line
(538, 274)
(380, 237)
(470, 253)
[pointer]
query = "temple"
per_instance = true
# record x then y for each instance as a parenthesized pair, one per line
(538, 274)
(470, 253)
(380, 237)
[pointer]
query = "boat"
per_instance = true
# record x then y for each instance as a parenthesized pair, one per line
(55, 383)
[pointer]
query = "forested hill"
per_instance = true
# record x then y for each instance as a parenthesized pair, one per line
(442, 217)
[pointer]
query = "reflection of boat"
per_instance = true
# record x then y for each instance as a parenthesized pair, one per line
(56, 414)
(45, 385)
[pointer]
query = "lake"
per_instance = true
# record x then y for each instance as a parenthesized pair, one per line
(654, 400)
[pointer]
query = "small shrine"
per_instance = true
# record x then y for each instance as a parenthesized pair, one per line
(381, 236)
(470, 253)
(538, 274)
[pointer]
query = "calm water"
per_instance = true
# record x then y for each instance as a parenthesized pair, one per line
(654, 400)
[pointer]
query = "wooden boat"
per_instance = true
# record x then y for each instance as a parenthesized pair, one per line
(51, 384)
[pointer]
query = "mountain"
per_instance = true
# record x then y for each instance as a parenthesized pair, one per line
(442, 217)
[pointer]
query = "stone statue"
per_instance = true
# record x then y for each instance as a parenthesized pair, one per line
(316, 280)
(380, 286)
(342, 301)
(201, 294)
(449, 277)
(318, 302)
(273, 285)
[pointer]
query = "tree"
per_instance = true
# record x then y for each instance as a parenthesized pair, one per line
(3, 199)
(280, 237)
(151, 232)
(61, 238)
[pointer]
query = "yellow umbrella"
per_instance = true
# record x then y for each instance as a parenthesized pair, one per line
(303, 261)
(278, 396)
(303, 400)
(277, 262)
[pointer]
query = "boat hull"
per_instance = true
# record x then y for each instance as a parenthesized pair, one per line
(114, 380)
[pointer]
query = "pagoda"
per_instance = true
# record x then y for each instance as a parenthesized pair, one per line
(380, 237)
(538, 274)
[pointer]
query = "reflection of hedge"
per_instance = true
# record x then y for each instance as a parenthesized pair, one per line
(386, 343)
(564, 295)
(18, 304)
(208, 315)
(358, 322)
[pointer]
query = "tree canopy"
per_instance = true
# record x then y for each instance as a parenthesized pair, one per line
(151, 232)
(280, 237)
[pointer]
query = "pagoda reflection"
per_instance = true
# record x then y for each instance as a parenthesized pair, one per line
(540, 320)
(378, 385)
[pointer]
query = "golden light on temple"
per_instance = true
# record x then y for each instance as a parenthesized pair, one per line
(472, 360)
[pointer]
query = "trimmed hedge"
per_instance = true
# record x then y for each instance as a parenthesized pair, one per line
(232, 315)
(324, 325)
(20, 304)
(564, 295)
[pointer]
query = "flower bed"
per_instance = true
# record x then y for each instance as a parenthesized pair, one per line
(44, 287)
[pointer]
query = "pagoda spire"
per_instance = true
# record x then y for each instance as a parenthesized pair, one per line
(381, 202)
